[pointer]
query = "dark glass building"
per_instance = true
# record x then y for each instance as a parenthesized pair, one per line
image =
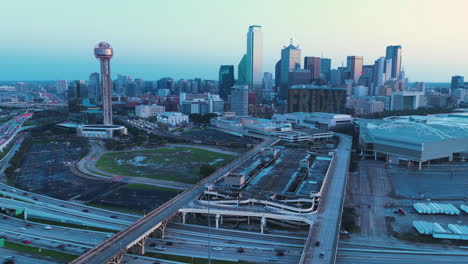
(226, 81)
(311, 98)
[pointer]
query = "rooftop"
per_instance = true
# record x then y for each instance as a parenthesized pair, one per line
(416, 129)
(315, 87)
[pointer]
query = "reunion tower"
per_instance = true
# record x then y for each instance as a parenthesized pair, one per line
(103, 52)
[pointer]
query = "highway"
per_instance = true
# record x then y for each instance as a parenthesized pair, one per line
(45, 201)
(22, 259)
(135, 232)
(65, 215)
(327, 227)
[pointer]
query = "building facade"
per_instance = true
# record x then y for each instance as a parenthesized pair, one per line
(354, 67)
(254, 57)
(310, 98)
(290, 60)
(240, 100)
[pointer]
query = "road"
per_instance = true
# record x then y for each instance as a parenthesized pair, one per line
(87, 166)
(327, 227)
(65, 215)
(45, 201)
(22, 259)
(118, 243)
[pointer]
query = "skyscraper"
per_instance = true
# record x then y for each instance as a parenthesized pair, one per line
(457, 82)
(367, 77)
(104, 52)
(325, 68)
(290, 60)
(354, 67)
(240, 100)
(277, 75)
(254, 57)
(314, 65)
(226, 80)
(94, 87)
(379, 75)
(394, 53)
(242, 70)
(388, 69)
(62, 87)
(267, 81)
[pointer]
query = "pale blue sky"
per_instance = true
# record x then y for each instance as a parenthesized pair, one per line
(54, 39)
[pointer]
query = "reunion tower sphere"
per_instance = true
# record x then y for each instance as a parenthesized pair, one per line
(103, 50)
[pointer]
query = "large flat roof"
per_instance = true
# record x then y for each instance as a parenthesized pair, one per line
(415, 129)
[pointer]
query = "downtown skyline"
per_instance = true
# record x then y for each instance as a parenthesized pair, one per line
(152, 47)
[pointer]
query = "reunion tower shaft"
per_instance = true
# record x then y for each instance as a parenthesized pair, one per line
(104, 52)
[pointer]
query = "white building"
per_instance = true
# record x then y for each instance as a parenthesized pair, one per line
(360, 91)
(313, 120)
(145, 111)
(406, 100)
(172, 118)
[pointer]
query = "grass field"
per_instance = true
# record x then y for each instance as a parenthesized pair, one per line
(180, 164)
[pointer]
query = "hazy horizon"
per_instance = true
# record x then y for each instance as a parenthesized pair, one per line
(51, 39)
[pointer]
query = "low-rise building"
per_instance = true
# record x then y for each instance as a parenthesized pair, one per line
(313, 120)
(145, 111)
(172, 118)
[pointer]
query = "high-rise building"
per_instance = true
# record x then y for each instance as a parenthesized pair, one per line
(226, 80)
(62, 87)
(379, 75)
(457, 82)
(367, 77)
(94, 86)
(103, 52)
(277, 75)
(267, 81)
(242, 70)
(354, 67)
(299, 76)
(314, 65)
(311, 98)
(254, 57)
(394, 53)
(290, 60)
(388, 69)
(325, 68)
(338, 76)
(240, 100)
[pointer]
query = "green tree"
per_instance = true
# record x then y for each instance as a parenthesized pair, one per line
(206, 170)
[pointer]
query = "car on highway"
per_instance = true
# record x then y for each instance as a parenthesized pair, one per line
(160, 248)
(23, 228)
(27, 241)
(47, 227)
(217, 248)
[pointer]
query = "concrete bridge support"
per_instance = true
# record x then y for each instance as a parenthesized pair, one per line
(262, 224)
(139, 248)
(116, 259)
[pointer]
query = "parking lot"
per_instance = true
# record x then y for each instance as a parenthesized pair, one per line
(45, 170)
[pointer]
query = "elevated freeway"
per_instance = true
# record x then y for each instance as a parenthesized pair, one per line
(134, 236)
(327, 228)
